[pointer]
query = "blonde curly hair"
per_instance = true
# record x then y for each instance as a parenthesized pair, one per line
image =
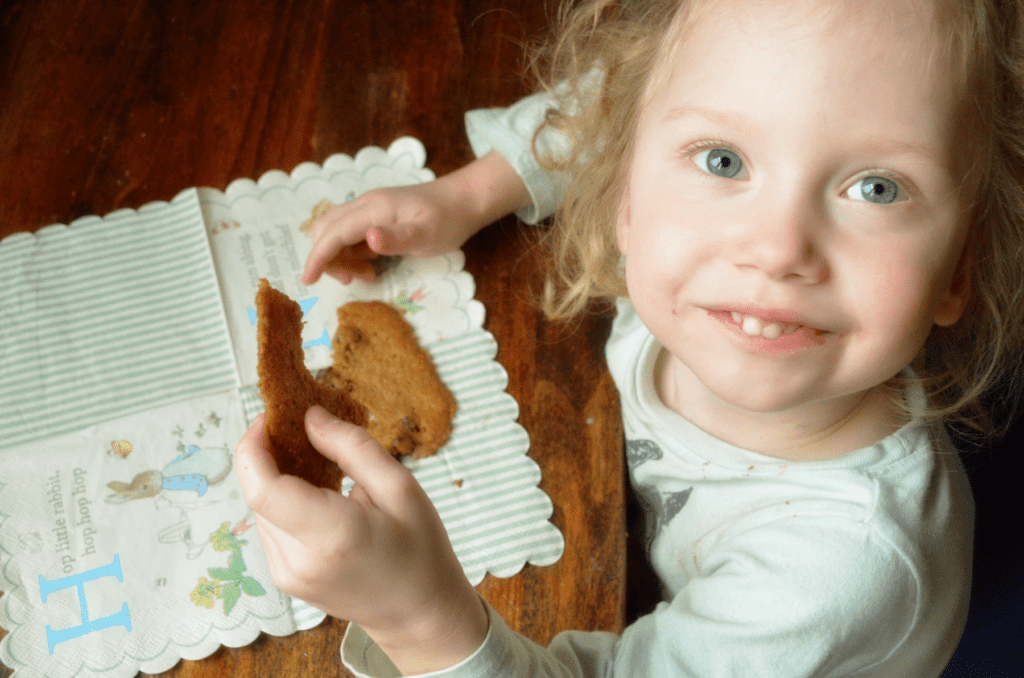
(970, 370)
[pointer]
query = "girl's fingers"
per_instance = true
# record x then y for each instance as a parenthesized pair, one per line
(345, 262)
(270, 537)
(317, 261)
(377, 473)
(345, 270)
(253, 463)
(377, 242)
(359, 495)
(339, 227)
(280, 543)
(384, 221)
(397, 239)
(284, 500)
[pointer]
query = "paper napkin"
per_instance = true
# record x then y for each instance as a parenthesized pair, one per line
(127, 377)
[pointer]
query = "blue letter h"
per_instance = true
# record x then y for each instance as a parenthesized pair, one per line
(78, 580)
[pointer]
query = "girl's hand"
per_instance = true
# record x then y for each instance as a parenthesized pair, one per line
(419, 220)
(379, 557)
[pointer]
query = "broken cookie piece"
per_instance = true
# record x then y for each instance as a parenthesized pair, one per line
(378, 359)
(288, 389)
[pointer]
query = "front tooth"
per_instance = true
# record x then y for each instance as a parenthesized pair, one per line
(772, 331)
(752, 326)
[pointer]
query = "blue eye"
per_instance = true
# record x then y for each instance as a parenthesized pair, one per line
(879, 190)
(720, 162)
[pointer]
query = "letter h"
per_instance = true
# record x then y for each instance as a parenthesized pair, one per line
(78, 580)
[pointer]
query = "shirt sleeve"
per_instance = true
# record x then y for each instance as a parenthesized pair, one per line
(807, 599)
(510, 132)
(504, 653)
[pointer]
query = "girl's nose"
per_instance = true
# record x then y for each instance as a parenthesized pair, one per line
(782, 239)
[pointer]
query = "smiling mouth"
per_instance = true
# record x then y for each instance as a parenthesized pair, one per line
(777, 334)
(756, 327)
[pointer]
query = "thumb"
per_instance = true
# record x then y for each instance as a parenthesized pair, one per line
(359, 456)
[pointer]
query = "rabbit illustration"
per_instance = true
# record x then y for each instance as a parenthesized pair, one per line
(143, 485)
(197, 469)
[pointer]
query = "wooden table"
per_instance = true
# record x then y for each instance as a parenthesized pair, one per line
(102, 109)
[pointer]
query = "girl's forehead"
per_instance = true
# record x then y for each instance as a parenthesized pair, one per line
(839, 36)
(799, 71)
(868, 21)
(766, 20)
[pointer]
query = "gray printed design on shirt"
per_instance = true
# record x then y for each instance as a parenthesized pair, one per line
(639, 451)
(660, 508)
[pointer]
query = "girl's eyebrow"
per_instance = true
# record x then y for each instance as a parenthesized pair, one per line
(879, 144)
(733, 120)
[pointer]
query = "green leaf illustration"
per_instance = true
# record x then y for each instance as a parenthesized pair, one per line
(223, 573)
(251, 587)
(236, 564)
(231, 596)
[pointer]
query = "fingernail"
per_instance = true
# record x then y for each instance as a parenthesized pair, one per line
(375, 240)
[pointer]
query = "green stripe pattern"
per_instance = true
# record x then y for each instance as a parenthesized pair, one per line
(108, 317)
(482, 482)
(305, 615)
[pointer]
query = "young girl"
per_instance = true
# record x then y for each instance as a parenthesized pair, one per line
(809, 213)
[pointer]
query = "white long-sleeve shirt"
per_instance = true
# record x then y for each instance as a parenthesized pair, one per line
(854, 566)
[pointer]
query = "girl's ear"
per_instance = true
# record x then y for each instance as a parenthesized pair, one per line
(953, 304)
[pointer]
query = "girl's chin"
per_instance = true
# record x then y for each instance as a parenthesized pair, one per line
(740, 390)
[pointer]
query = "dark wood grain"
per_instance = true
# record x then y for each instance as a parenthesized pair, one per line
(108, 105)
